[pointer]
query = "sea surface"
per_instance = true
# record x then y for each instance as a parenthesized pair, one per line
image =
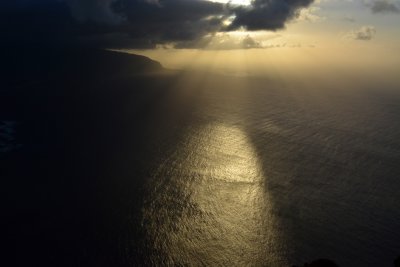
(197, 169)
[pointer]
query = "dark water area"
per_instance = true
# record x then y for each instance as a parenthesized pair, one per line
(193, 169)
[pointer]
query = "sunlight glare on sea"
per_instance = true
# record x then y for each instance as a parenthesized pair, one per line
(213, 210)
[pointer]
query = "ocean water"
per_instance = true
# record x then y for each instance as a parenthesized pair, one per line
(213, 170)
(270, 174)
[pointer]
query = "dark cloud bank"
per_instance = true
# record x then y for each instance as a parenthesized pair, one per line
(383, 6)
(139, 23)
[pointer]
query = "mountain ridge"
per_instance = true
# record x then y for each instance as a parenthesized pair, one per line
(26, 64)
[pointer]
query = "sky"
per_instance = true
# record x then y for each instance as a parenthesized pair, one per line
(225, 33)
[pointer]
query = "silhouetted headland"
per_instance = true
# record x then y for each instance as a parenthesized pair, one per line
(34, 62)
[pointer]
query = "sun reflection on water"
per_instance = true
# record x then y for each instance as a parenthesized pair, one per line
(208, 205)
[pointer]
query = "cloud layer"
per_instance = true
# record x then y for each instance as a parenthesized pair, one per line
(99, 11)
(146, 23)
(267, 14)
(364, 33)
(383, 6)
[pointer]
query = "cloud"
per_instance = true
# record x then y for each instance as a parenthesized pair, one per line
(349, 19)
(33, 21)
(365, 33)
(383, 6)
(267, 14)
(248, 42)
(223, 41)
(145, 23)
(98, 11)
(309, 14)
(171, 20)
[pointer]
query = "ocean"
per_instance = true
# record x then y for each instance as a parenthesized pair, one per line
(200, 169)
(275, 174)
